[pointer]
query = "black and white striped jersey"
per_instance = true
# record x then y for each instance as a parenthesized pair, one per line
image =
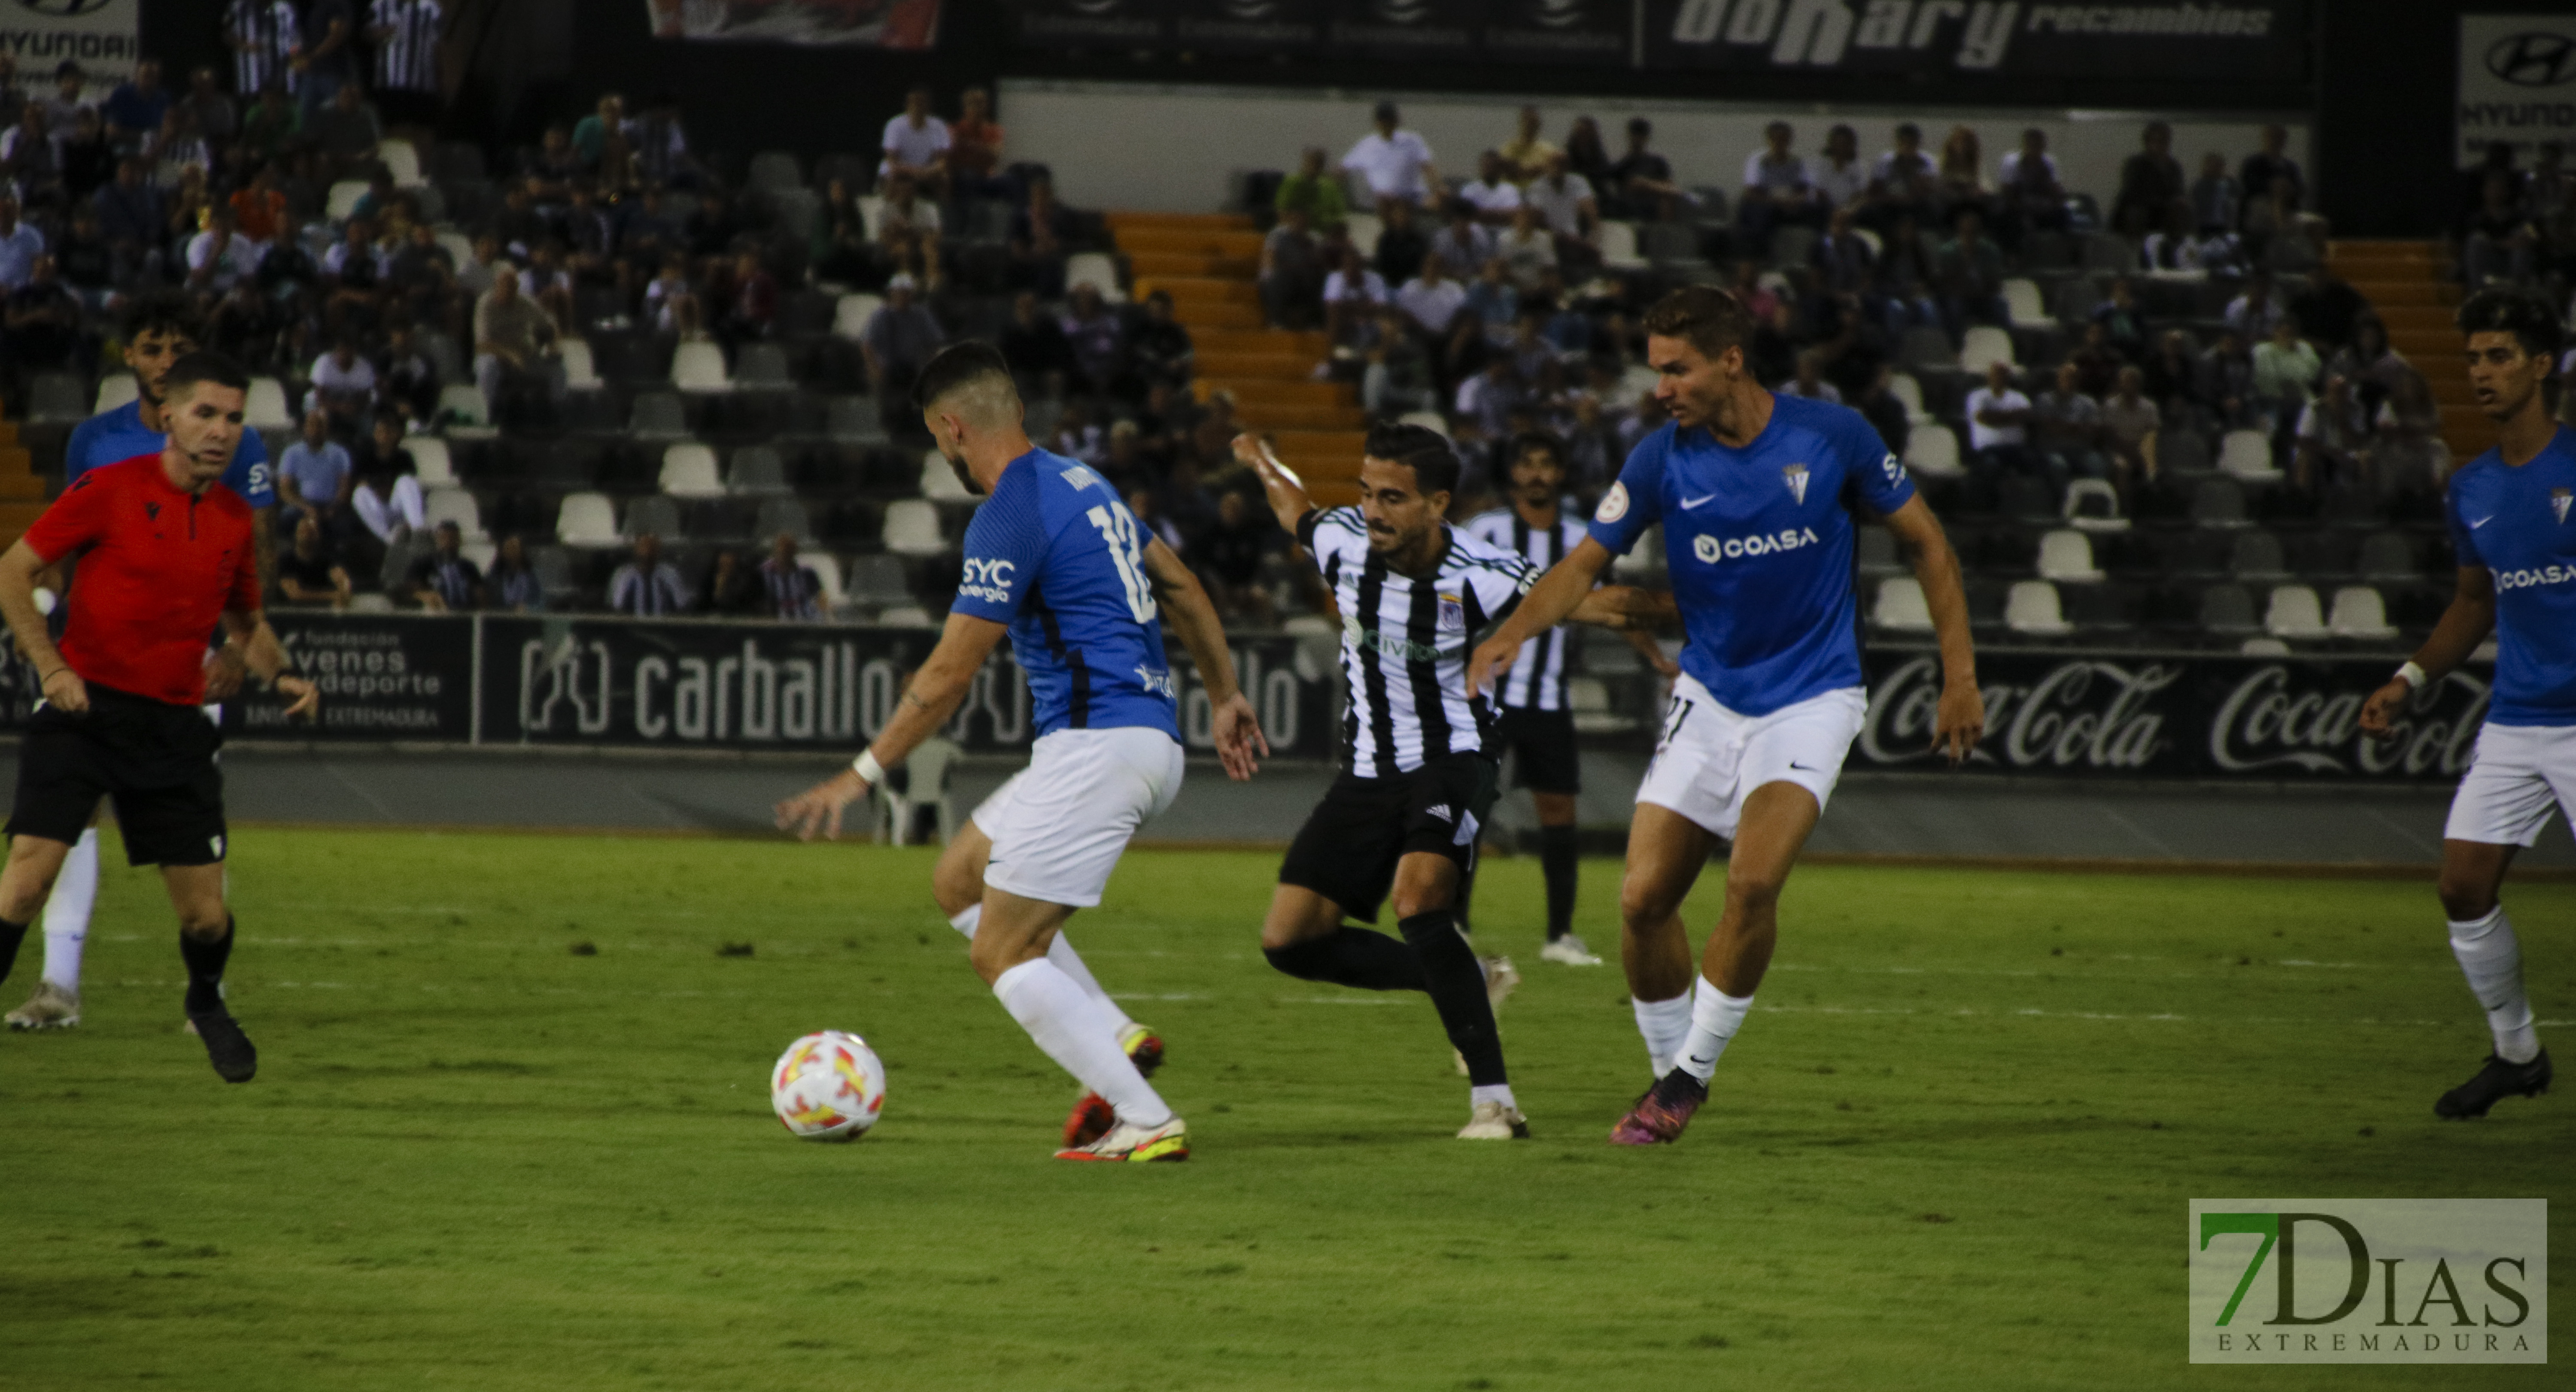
(1536, 679)
(1405, 641)
(407, 55)
(262, 33)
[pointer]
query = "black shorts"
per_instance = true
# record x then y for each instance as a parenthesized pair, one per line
(155, 759)
(1348, 849)
(1544, 740)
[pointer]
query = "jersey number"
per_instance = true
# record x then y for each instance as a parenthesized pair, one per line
(1118, 529)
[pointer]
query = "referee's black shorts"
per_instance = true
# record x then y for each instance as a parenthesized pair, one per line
(1544, 741)
(155, 759)
(1348, 849)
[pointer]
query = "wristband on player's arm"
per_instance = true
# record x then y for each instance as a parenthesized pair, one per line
(2413, 674)
(867, 768)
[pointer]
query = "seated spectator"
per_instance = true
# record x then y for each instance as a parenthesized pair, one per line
(1039, 233)
(2067, 431)
(86, 261)
(590, 134)
(843, 251)
(2227, 382)
(2254, 313)
(1771, 354)
(387, 498)
(1885, 411)
(1392, 164)
(975, 150)
(896, 341)
(2334, 439)
(1313, 191)
(648, 586)
(1400, 245)
(220, 257)
(67, 100)
(268, 126)
(731, 589)
(671, 302)
(908, 233)
(1529, 249)
(1432, 300)
(1078, 436)
(444, 581)
(1962, 177)
(1527, 153)
(132, 218)
(1844, 262)
(1291, 272)
(1840, 175)
(43, 318)
(1098, 337)
(512, 586)
(1493, 193)
(1487, 399)
(1150, 517)
(2286, 368)
(2173, 379)
(1160, 351)
(2374, 368)
(87, 158)
(2124, 325)
(1908, 274)
(2217, 200)
(1640, 185)
(315, 475)
(135, 108)
(2150, 181)
(1777, 190)
(212, 110)
(1494, 301)
(1565, 202)
(513, 339)
(1352, 295)
(1035, 347)
(1397, 378)
(251, 328)
(1808, 380)
(2409, 453)
(2097, 366)
(344, 385)
(1229, 555)
(751, 310)
(2129, 424)
(1903, 182)
(1971, 271)
(27, 153)
(345, 131)
(795, 591)
(2176, 246)
(2277, 234)
(310, 573)
(1465, 245)
(916, 144)
(1998, 424)
(2029, 189)
(2499, 241)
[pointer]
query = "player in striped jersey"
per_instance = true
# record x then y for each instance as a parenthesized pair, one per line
(1536, 721)
(405, 35)
(1416, 777)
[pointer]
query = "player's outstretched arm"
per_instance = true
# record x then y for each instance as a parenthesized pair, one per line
(1239, 742)
(19, 567)
(1567, 584)
(1961, 719)
(2465, 624)
(932, 697)
(1279, 483)
(1626, 608)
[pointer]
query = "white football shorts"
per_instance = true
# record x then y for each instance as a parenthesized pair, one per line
(1710, 759)
(2517, 773)
(1060, 824)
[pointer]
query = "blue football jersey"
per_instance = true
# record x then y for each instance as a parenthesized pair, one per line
(1759, 543)
(1055, 554)
(113, 436)
(2516, 522)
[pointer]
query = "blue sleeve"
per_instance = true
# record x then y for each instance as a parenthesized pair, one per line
(1005, 545)
(1873, 468)
(1636, 501)
(76, 460)
(2464, 542)
(250, 476)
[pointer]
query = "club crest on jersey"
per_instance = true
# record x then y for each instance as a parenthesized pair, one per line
(1453, 611)
(1796, 477)
(2558, 500)
(1614, 504)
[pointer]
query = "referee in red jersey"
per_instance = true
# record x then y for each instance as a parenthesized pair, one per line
(165, 555)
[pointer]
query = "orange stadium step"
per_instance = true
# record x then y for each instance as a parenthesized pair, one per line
(1242, 246)
(1337, 418)
(1199, 290)
(1122, 222)
(1278, 393)
(1267, 365)
(2418, 293)
(2416, 318)
(1309, 345)
(1164, 264)
(1197, 315)
(1334, 493)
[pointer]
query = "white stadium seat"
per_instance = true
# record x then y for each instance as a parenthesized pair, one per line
(586, 519)
(2067, 556)
(1932, 451)
(1619, 247)
(580, 372)
(1096, 269)
(689, 471)
(699, 366)
(2294, 613)
(1904, 388)
(2032, 609)
(453, 505)
(2247, 455)
(343, 199)
(940, 481)
(912, 529)
(2023, 304)
(430, 461)
(2359, 612)
(116, 389)
(265, 408)
(1984, 344)
(850, 314)
(1900, 607)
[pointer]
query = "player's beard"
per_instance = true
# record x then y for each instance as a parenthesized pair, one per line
(965, 476)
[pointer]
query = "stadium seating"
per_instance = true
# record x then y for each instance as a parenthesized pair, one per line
(763, 367)
(453, 505)
(1362, 229)
(430, 461)
(1926, 348)
(1428, 420)
(912, 528)
(855, 420)
(2219, 503)
(827, 573)
(757, 472)
(586, 519)
(266, 408)
(2093, 505)
(1900, 607)
(928, 784)
(657, 416)
(2360, 613)
(1095, 269)
(56, 399)
(580, 371)
(2023, 305)
(2032, 610)
(2386, 556)
(1908, 391)
(850, 314)
(655, 514)
(2294, 614)
(1874, 552)
(786, 515)
(2256, 558)
(689, 471)
(115, 390)
(699, 366)
(343, 199)
(1619, 247)
(876, 582)
(2228, 611)
(2067, 557)
(906, 616)
(2247, 455)
(940, 482)
(1932, 451)
(772, 170)
(1983, 345)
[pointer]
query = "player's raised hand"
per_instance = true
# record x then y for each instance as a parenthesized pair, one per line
(66, 692)
(1240, 744)
(1961, 720)
(1251, 453)
(818, 809)
(308, 697)
(1491, 657)
(2379, 713)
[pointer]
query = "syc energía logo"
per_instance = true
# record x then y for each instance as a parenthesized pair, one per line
(2369, 1281)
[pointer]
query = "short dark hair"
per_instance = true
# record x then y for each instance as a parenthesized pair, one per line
(956, 366)
(1707, 318)
(164, 311)
(1530, 442)
(1385, 112)
(2518, 312)
(1639, 125)
(1420, 448)
(204, 365)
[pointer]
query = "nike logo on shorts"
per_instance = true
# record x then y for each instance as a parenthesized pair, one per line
(1802, 768)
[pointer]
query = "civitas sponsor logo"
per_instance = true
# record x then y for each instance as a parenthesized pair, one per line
(2275, 718)
(2530, 576)
(2369, 1281)
(1386, 644)
(2083, 714)
(1717, 549)
(989, 581)
(2542, 58)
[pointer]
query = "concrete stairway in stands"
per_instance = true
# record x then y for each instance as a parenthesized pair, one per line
(22, 489)
(1207, 263)
(2415, 290)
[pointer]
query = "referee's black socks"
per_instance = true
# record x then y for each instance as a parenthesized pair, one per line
(1556, 862)
(1351, 957)
(1456, 981)
(11, 934)
(205, 958)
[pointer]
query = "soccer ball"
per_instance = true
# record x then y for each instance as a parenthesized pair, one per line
(828, 1086)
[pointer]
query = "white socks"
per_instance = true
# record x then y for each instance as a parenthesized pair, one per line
(1665, 1025)
(1066, 960)
(2489, 956)
(1492, 1092)
(1071, 1027)
(1715, 1017)
(67, 912)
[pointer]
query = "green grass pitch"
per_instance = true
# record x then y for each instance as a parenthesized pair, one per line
(1952, 1149)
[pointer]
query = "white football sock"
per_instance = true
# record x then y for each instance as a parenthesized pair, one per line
(1066, 960)
(67, 912)
(1664, 1024)
(1075, 1032)
(1492, 1092)
(2489, 955)
(1715, 1017)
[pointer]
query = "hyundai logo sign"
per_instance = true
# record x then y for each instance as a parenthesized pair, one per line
(2534, 60)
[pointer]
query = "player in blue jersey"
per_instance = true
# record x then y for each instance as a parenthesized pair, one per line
(160, 329)
(1055, 560)
(1756, 494)
(2515, 531)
